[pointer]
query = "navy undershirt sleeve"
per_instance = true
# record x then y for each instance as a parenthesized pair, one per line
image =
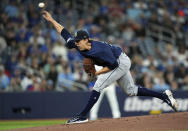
(68, 38)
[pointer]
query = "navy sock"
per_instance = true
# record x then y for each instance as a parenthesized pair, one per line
(147, 92)
(92, 100)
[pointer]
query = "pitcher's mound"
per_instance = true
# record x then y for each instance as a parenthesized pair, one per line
(163, 122)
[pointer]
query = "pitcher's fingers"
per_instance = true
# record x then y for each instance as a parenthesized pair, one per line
(45, 12)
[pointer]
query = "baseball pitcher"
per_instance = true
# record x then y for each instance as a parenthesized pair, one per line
(116, 67)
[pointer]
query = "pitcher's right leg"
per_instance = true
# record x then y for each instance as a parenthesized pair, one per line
(127, 84)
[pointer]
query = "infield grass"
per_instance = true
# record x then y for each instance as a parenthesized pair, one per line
(14, 124)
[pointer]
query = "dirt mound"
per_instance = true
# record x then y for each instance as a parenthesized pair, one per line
(168, 121)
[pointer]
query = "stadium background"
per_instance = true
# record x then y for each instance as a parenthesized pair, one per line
(33, 57)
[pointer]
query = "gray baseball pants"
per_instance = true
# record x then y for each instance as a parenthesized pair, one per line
(121, 74)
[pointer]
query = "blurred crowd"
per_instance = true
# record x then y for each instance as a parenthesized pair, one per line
(33, 57)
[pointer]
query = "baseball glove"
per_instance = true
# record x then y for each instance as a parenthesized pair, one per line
(89, 68)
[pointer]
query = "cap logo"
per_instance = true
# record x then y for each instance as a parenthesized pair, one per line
(75, 34)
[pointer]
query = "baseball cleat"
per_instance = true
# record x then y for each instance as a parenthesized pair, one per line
(77, 119)
(169, 99)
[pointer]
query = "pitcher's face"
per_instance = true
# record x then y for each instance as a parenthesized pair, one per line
(82, 44)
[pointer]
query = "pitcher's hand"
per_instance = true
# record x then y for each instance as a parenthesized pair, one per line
(47, 16)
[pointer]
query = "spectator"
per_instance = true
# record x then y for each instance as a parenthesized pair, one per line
(48, 65)
(160, 84)
(27, 81)
(52, 76)
(27, 42)
(50, 85)
(134, 49)
(4, 80)
(14, 85)
(60, 50)
(39, 84)
(65, 80)
(181, 54)
(11, 9)
(170, 78)
(80, 77)
(146, 81)
(180, 75)
(3, 44)
(185, 83)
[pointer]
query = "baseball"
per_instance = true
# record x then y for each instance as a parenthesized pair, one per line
(41, 5)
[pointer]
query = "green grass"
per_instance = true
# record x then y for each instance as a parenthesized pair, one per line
(7, 125)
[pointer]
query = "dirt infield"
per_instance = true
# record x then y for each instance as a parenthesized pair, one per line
(163, 122)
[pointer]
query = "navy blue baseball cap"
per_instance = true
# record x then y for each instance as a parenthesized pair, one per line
(80, 35)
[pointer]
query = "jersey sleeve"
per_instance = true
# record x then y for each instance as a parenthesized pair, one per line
(68, 38)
